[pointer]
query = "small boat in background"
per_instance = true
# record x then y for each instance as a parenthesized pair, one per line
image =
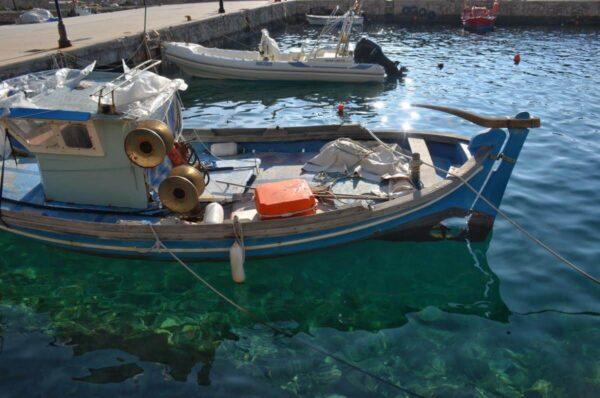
(333, 62)
(479, 19)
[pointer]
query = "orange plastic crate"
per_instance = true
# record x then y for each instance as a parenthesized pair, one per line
(284, 199)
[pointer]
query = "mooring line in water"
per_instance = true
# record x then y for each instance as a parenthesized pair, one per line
(2, 176)
(286, 333)
(518, 226)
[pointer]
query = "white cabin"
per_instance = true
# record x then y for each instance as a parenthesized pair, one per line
(76, 124)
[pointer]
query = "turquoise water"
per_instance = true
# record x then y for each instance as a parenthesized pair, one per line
(499, 318)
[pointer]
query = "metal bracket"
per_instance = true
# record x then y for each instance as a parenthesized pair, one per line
(502, 156)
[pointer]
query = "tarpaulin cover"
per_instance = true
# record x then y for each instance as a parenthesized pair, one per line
(369, 160)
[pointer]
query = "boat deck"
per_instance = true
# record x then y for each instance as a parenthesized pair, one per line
(230, 182)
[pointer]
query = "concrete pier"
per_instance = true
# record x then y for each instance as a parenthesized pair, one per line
(110, 37)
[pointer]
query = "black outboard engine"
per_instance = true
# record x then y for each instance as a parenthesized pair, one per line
(368, 52)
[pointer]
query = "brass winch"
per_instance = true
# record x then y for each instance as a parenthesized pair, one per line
(148, 143)
(180, 192)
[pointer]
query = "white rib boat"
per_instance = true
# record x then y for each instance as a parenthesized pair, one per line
(337, 62)
(324, 65)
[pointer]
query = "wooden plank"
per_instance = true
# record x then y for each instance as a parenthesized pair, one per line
(486, 121)
(428, 175)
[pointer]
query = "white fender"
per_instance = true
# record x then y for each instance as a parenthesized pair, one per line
(236, 259)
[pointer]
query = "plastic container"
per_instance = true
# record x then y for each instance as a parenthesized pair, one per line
(213, 214)
(287, 198)
(224, 149)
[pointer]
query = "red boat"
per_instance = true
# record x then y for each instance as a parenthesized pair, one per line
(479, 19)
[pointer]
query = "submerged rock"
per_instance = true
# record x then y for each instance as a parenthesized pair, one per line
(111, 374)
(430, 314)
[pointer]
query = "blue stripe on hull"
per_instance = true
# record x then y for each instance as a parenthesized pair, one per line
(219, 249)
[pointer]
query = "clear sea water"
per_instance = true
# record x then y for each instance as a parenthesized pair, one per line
(500, 318)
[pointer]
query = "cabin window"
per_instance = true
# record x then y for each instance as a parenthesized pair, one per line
(56, 136)
(34, 132)
(76, 135)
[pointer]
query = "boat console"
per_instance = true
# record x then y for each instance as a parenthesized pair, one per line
(95, 149)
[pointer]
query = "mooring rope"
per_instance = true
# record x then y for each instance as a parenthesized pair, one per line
(2, 178)
(273, 328)
(239, 233)
(518, 226)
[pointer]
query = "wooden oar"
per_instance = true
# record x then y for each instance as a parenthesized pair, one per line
(484, 121)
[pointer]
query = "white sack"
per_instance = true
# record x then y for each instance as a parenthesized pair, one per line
(268, 46)
(37, 15)
(144, 94)
(372, 162)
(16, 92)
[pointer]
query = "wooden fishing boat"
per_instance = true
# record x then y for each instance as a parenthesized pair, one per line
(92, 175)
(478, 19)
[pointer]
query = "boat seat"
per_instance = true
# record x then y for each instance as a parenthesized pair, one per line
(234, 175)
(428, 173)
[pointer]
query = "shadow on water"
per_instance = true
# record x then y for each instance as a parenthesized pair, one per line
(203, 92)
(158, 313)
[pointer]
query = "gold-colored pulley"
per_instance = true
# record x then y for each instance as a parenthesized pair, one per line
(148, 143)
(180, 192)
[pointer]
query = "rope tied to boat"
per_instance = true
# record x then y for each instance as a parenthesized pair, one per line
(157, 246)
(238, 232)
(2, 176)
(518, 226)
(276, 329)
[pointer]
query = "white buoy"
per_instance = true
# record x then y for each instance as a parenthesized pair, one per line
(236, 259)
(213, 214)
(224, 149)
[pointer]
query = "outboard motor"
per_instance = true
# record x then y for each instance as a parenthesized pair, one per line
(368, 52)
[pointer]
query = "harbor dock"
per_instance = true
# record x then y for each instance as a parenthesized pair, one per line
(110, 37)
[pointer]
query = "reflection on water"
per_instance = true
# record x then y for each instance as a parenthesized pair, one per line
(231, 103)
(443, 318)
(268, 94)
